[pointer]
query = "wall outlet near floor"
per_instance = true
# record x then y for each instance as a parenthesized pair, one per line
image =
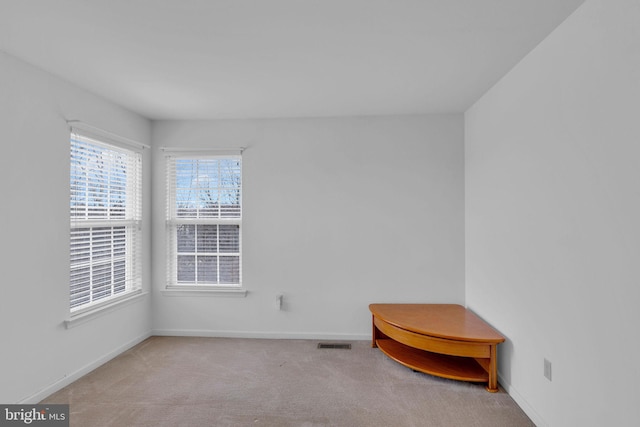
(547, 369)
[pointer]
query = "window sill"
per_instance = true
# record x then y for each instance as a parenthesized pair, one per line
(99, 310)
(208, 291)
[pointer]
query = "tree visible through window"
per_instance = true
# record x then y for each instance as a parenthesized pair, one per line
(204, 214)
(105, 215)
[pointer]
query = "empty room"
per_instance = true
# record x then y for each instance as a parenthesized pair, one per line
(320, 213)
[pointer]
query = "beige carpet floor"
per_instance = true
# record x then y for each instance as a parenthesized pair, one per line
(187, 381)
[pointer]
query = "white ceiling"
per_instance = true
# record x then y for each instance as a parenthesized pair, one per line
(208, 59)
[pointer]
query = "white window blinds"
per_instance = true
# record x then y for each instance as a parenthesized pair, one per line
(105, 212)
(204, 219)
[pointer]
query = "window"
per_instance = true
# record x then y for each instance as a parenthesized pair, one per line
(204, 220)
(105, 202)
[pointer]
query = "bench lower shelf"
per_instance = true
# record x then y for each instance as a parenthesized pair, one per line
(441, 365)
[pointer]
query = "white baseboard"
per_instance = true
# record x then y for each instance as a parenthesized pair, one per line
(68, 379)
(522, 402)
(258, 334)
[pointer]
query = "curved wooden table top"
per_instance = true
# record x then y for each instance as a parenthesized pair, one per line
(448, 321)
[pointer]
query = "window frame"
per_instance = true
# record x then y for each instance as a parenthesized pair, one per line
(173, 221)
(130, 220)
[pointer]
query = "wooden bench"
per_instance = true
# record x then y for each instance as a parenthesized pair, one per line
(445, 340)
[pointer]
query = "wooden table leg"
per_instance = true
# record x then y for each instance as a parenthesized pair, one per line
(492, 385)
(374, 332)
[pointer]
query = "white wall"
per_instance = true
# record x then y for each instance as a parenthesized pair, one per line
(37, 354)
(338, 214)
(552, 219)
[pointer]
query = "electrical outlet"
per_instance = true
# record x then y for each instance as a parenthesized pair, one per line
(547, 369)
